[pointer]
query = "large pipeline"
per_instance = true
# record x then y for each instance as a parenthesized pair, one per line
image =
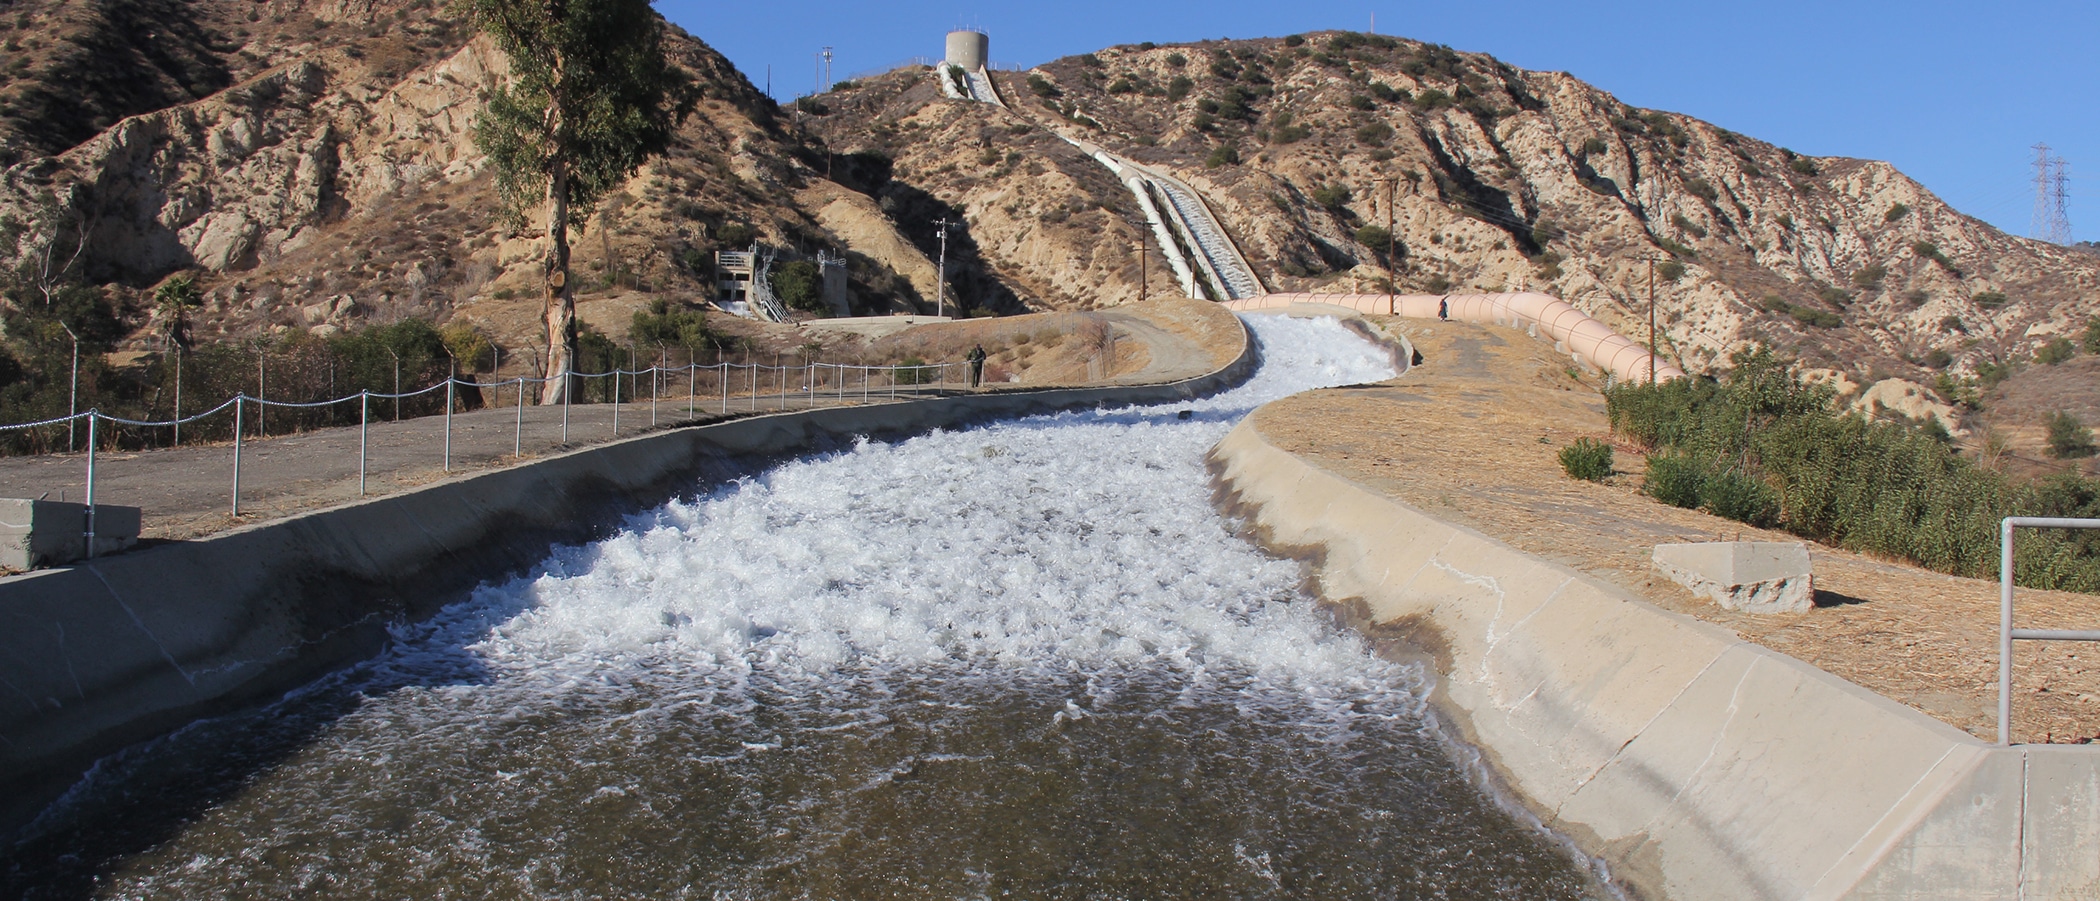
(1589, 340)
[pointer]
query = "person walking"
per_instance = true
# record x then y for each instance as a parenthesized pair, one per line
(976, 360)
(1443, 310)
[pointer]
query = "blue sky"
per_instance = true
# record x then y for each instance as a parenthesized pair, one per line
(1953, 94)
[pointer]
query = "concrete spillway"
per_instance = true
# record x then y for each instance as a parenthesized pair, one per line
(1025, 658)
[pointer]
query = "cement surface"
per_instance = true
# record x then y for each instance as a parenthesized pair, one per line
(1696, 764)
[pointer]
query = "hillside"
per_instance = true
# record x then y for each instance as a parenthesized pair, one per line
(311, 161)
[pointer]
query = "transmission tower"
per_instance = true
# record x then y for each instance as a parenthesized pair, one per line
(2038, 225)
(2059, 209)
(2052, 216)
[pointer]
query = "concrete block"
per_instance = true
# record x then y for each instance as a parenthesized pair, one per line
(39, 533)
(1751, 576)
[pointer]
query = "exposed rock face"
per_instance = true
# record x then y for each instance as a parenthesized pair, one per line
(1501, 179)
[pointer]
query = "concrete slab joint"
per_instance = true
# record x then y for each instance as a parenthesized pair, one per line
(1751, 576)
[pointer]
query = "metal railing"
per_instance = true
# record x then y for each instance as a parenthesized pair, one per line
(2006, 633)
(806, 385)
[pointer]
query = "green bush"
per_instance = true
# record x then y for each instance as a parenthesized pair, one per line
(1870, 277)
(1177, 60)
(2055, 352)
(1042, 87)
(734, 235)
(1990, 300)
(1587, 459)
(679, 326)
(1895, 212)
(1374, 134)
(2092, 336)
(914, 371)
(1374, 237)
(1179, 87)
(2069, 438)
(1803, 165)
(1223, 155)
(1595, 147)
(1674, 479)
(1332, 197)
(1670, 270)
(1763, 447)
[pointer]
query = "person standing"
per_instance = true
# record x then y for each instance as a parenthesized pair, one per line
(1443, 309)
(976, 360)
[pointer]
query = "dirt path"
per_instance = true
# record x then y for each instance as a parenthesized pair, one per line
(1472, 437)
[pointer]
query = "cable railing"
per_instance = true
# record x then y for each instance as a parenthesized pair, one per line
(730, 389)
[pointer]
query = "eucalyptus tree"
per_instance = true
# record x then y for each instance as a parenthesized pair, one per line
(591, 96)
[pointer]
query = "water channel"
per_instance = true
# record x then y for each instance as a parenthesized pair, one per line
(1027, 659)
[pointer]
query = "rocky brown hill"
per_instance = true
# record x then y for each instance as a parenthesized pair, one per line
(1501, 179)
(311, 160)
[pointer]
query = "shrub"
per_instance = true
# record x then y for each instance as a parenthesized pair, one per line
(1871, 276)
(2069, 438)
(1587, 459)
(1203, 121)
(1895, 212)
(1290, 134)
(1374, 134)
(799, 285)
(1702, 189)
(913, 370)
(675, 326)
(734, 234)
(1763, 447)
(1223, 155)
(1990, 300)
(1177, 60)
(1122, 85)
(1803, 165)
(2092, 335)
(1042, 87)
(1595, 146)
(1432, 99)
(1374, 237)
(2055, 352)
(1670, 270)
(1687, 226)
(1360, 102)
(1674, 479)
(1179, 87)
(1332, 197)
(1939, 358)
(1294, 40)
(1929, 250)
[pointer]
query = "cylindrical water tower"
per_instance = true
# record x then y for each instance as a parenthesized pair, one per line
(969, 49)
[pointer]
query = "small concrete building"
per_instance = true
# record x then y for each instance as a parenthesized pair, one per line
(969, 49)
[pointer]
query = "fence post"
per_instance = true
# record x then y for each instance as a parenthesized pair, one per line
(178, 395)
(722, 382)
(449, 383)
(518, 444)
(262, 428)
(692, 387)
(88, 534)
(364, 432)
(653, 386)
(2005, 616)
(616, 400)
(754, 387)
(568, 385)
(239, 404)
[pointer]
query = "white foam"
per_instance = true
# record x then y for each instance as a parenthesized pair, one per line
(1079, 540)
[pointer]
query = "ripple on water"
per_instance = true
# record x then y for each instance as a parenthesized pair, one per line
(1027, 658)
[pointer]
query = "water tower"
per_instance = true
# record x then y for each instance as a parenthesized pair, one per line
(969, 49)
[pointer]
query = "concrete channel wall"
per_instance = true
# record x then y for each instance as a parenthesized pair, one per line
(94, 658)
(1695, 764)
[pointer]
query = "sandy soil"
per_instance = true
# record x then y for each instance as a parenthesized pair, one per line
(1472, 437)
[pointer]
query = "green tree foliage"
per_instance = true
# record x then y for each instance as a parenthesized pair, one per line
(591, 97)
(2091, 339)
(1990, 300)
(1896, 212)
(1374, 237)
(1587, 459)
(1763, 447)
(2068, 437)
(1222, 155)
(2055, 352)
(800, 285)
(676, 326)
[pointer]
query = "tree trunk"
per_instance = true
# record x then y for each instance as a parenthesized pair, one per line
(561, 296)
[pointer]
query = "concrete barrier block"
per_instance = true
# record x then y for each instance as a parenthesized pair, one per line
(38, 533)
(1751, 576)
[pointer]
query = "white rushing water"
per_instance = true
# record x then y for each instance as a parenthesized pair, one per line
(754, 692)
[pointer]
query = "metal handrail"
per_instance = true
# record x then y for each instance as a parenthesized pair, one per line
(2006, 633)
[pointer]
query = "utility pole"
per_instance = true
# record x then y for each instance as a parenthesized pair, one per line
(827, 69)
(1392, 262)
(940, 282)
(1651, 320)
(1144, 276)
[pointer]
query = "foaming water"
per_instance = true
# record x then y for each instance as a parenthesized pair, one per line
(1027, 658)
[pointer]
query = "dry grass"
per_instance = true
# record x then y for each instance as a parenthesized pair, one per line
(1490, 394)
